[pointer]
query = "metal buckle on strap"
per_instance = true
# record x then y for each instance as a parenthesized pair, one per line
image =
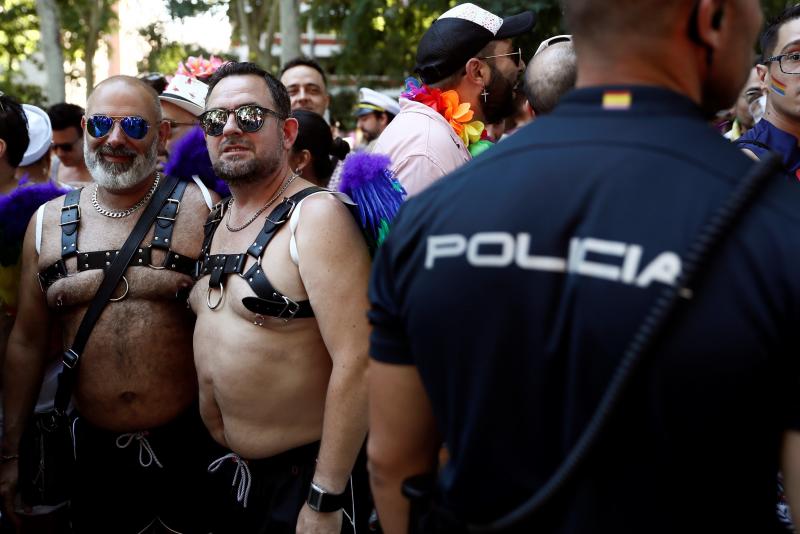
(291, 306)
(70, 358)
(67, 208)
(177, 210)
(288, 213)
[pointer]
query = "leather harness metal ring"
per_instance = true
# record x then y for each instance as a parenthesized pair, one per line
(125, 294)
(163, 265)
(221, 296)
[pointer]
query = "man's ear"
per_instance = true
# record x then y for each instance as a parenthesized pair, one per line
(762, 71)
(3, 148)
(711, 22)
(529, 109)
(290, 128)
(477, 72)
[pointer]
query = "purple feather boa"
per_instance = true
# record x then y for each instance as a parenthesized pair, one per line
(16, 209)
(362, 167)
(189, 157)
(368, 180)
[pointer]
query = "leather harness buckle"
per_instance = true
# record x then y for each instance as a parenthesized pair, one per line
(288, 213)
(70, 358)
(67, 208)
(177, 210)
(291, 306)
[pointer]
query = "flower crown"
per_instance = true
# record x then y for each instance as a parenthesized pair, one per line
(199, 67)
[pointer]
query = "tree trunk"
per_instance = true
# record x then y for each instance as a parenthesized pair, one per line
(51, 48)
(244, 29)
(95, 13)
(290, 31)
(265, 58)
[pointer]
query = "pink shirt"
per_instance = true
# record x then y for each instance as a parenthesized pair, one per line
(422, 145)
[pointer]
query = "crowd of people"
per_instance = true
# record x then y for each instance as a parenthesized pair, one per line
(550, 290)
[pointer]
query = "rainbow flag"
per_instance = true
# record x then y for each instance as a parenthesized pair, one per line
(778, 87)
(617, 100)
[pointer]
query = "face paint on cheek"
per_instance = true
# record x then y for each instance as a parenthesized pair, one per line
(777, 87)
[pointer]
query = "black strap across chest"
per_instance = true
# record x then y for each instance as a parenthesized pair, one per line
(101, 259)
(268, 301)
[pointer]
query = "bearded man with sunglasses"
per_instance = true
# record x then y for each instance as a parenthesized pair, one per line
(139, 443)
(281, 335)
(466, 56)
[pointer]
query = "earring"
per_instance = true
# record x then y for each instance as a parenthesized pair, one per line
(297, 171)
(484, 94)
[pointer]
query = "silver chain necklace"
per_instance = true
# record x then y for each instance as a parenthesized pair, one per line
(124, 213)
(230, 228)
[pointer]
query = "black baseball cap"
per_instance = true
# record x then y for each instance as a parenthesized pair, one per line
(459, 34)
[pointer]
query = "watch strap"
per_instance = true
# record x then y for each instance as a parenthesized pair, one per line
(320, 500)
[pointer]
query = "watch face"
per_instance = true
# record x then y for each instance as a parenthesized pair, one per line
(314, 499)
(321, 501)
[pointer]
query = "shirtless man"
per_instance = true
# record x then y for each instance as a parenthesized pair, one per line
(280, 372)
(68, 145)
(139, 439)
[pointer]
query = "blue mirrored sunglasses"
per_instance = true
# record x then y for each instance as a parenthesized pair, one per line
(101, 125)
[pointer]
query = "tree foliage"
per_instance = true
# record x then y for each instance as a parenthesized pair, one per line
(19, 32)
(381, 36)
(165, 55)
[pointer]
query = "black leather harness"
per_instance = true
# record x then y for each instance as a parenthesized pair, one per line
(101, 259)
(268, 300)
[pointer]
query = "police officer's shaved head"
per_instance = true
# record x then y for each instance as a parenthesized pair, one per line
(131, 82)
(703, 48)
(549, 75)
(608, 21)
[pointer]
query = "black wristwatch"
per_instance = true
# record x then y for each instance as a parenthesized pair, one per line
(321, 500)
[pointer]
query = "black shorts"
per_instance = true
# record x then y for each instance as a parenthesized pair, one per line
(278, 490)
(121, 488)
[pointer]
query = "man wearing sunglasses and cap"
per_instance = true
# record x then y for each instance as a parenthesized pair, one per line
(139, 442)
(466, 58)
(281, 334)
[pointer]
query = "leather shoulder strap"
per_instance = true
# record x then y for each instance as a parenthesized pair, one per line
(118, 266)
(70, 218)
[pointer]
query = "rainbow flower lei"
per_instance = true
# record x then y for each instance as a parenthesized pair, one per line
(457, 114)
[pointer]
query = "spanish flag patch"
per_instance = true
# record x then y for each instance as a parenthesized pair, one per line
(617, 100)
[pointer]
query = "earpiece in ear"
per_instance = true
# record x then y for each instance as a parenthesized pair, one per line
(716, 18)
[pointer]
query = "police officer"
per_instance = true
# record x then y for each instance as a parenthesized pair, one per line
(506, 294)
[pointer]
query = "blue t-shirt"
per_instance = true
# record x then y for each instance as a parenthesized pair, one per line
(516, 283)
(765, 136)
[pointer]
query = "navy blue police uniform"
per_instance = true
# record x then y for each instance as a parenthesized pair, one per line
(515, 284)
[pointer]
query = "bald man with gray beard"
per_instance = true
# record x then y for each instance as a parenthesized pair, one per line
(139, 442)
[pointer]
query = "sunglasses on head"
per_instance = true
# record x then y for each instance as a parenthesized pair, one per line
(101, 125)
(249, 118)
(553, 40)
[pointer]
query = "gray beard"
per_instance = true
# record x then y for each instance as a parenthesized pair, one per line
(120, 176)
